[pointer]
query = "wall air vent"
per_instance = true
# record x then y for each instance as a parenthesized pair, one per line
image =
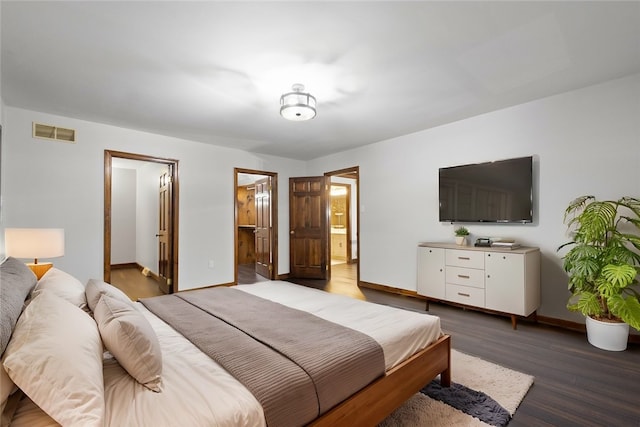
(53, 132)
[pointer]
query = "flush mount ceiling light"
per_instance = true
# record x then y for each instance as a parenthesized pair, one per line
(297, 105)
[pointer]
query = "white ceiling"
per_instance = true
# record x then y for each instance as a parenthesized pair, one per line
(214, 71)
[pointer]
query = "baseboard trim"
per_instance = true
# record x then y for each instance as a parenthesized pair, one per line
(562, 323)
(390, 289)
(228, 285)
(125, 265)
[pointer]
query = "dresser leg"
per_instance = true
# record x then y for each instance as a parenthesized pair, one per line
(514, 321)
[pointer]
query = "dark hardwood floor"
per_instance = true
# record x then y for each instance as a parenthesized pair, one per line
(247, 275)
(575, 384)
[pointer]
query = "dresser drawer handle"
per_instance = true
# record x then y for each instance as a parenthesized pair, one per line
(464, 257)
(463, 295)
(462, 276)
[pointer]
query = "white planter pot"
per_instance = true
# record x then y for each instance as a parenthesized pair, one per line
(461, 240)
(607, 335)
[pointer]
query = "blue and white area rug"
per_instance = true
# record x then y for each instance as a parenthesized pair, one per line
(482, 394)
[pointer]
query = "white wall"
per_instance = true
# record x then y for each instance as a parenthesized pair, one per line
(123, 216)
(55, 184)
(583, 142)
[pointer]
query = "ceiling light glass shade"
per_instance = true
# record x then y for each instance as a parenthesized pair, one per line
(34, 242)
(298, 105)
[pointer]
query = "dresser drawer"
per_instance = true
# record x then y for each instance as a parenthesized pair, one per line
(462, 258)
(465, 295)
(464, 276)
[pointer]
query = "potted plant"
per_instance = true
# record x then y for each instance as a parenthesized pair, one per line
(461, 235)
(603, 265)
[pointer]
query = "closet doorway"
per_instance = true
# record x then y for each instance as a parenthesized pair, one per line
(255, 227)
(141, 218)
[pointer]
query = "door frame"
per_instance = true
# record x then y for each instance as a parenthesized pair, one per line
(352, 172)
(273, 206)
(173, 169)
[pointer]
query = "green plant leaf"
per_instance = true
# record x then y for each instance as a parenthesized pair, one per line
(627, 309)
(588, 304)
(587, 267)
(620, 276)
(596, 220)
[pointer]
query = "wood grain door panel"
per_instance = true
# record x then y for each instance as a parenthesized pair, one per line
(308, 221)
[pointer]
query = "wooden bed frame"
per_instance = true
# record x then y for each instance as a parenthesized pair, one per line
(375, 402)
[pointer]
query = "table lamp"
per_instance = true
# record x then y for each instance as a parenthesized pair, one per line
(35, 243)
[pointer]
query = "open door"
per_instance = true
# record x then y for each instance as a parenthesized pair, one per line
(308, 225)
(164, 235)
(263, 227)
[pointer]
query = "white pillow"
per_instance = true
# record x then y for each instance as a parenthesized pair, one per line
(63, 285)
(55, 357)
(129, 337)
(96, 288)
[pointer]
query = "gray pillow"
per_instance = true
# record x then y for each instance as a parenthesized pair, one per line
(16, 282)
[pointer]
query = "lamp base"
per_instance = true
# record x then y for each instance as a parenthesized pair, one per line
(40, 268)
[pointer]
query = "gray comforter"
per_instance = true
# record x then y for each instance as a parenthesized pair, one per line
(297, 365)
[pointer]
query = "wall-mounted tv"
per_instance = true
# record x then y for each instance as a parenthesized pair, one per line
(499, 191)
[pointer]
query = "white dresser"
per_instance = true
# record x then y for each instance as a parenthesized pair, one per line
(489, 278)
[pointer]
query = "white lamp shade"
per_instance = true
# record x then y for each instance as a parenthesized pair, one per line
(34, 242)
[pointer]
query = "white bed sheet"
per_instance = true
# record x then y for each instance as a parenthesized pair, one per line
(198, 391)
(399, 332)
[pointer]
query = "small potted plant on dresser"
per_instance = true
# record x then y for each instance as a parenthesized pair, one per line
(461, 236)
(603, 266)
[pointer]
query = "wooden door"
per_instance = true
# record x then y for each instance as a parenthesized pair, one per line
(308, 225)
(263, 227)
(164, 234)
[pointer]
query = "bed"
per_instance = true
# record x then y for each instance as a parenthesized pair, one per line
(69, 379)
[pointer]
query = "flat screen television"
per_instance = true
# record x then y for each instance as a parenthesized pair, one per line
(499, 191)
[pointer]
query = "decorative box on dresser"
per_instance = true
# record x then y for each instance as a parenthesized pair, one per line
(488, 278)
